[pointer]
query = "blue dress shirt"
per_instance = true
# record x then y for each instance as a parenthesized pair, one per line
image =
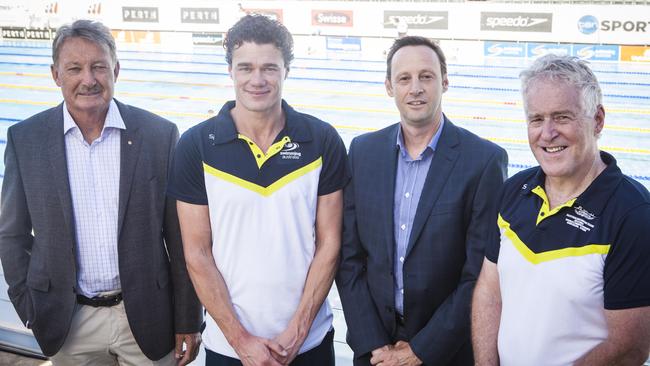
(411, 174)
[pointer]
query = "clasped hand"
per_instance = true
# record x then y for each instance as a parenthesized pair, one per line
(399, 354)
(281, 350)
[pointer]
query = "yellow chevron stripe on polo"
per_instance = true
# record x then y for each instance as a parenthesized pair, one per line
(264, 191)
(537, 258)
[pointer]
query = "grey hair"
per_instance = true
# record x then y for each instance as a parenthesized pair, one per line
(568, 69)
(90, 30)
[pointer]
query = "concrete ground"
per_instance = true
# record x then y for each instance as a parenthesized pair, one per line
(11, 359)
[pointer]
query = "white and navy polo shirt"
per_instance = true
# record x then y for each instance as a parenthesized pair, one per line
(559, 269)
(262, 213)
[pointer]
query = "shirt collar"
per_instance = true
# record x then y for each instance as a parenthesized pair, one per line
(295, 125)
(597, 194)
(432, 144)
(113, 118)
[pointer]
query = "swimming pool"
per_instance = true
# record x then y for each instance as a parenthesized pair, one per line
(189, 87)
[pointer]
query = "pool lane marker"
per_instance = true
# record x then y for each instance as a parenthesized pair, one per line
(305, 106)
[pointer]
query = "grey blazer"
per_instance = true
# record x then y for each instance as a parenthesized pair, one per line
(444, 253)
(37, 235)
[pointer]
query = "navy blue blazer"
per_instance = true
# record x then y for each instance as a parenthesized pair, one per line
(444, 254)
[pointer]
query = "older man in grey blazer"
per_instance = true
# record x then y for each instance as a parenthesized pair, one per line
(90, 246)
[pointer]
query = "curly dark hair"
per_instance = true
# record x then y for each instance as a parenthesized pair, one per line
(259, 29)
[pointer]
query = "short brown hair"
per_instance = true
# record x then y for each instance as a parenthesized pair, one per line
(416, 41)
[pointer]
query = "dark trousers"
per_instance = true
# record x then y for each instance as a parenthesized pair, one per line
(322, 355)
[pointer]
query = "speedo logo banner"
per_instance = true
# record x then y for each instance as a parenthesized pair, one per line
(417, 19)
(517, 22)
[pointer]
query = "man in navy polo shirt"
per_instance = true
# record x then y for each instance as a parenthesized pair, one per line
(566, 279)
(260, 206)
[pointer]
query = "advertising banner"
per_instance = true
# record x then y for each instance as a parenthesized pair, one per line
(142, 37)
(624, 25)
(540, 49)
(140, 14)
(594, 52)
(13, 33)
(417, 19)
(351, 44)
(516, 22)
(207, 38)
(509, 24)
(336, 18)
(588, 24)
(200, 15)
(40, 34)
(504, 49)
(635, 53)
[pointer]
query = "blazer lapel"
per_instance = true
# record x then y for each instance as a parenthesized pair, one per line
(387, 157)
(442, 164)
(58, 175)
(131, 139)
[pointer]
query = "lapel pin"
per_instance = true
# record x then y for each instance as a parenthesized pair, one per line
(129, 142)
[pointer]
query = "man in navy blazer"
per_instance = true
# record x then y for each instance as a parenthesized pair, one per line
(416, 215)
(90, 244)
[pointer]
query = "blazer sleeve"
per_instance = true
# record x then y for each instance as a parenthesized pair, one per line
(449, 328)
(365, 330)
(15, 234)
(188, 313)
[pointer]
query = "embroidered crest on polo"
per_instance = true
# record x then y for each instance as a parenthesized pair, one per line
(290, 146)
(584, 213)
(578, 223)
(289, 151)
